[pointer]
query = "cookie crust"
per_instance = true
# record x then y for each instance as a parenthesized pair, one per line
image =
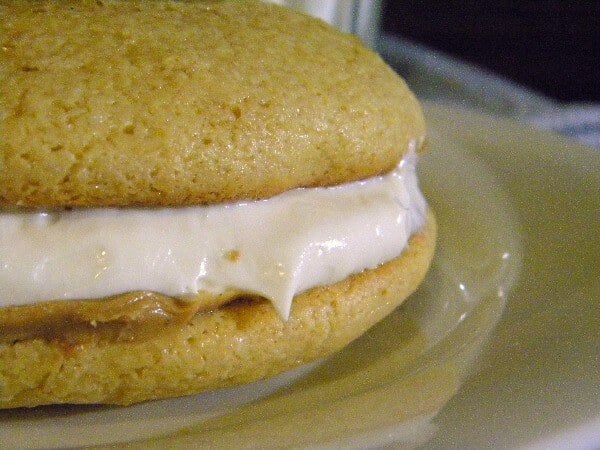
(164, 103)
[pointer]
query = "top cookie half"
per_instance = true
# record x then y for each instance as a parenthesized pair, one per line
(156, 103)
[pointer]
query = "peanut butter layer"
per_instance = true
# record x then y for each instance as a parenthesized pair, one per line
(126, 317)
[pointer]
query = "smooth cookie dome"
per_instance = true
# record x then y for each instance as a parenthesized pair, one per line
(109, 103)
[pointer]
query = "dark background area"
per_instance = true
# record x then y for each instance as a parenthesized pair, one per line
(552, 47)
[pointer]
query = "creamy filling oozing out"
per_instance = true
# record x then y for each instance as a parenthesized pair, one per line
(275, 248)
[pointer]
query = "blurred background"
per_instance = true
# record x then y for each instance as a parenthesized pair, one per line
(552, 46)
(537, 61)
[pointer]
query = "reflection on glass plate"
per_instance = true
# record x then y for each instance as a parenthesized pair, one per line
(463, 345)
(538, 380)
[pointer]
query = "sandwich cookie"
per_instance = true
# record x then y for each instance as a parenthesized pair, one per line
(195, 195)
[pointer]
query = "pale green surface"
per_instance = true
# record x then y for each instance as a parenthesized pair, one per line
(505, 197)
(540, 375)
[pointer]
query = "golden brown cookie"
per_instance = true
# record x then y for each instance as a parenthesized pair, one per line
(237, 343)
(161, 104)
(168, 103)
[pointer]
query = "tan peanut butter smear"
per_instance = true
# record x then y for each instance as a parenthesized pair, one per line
(127, 317)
